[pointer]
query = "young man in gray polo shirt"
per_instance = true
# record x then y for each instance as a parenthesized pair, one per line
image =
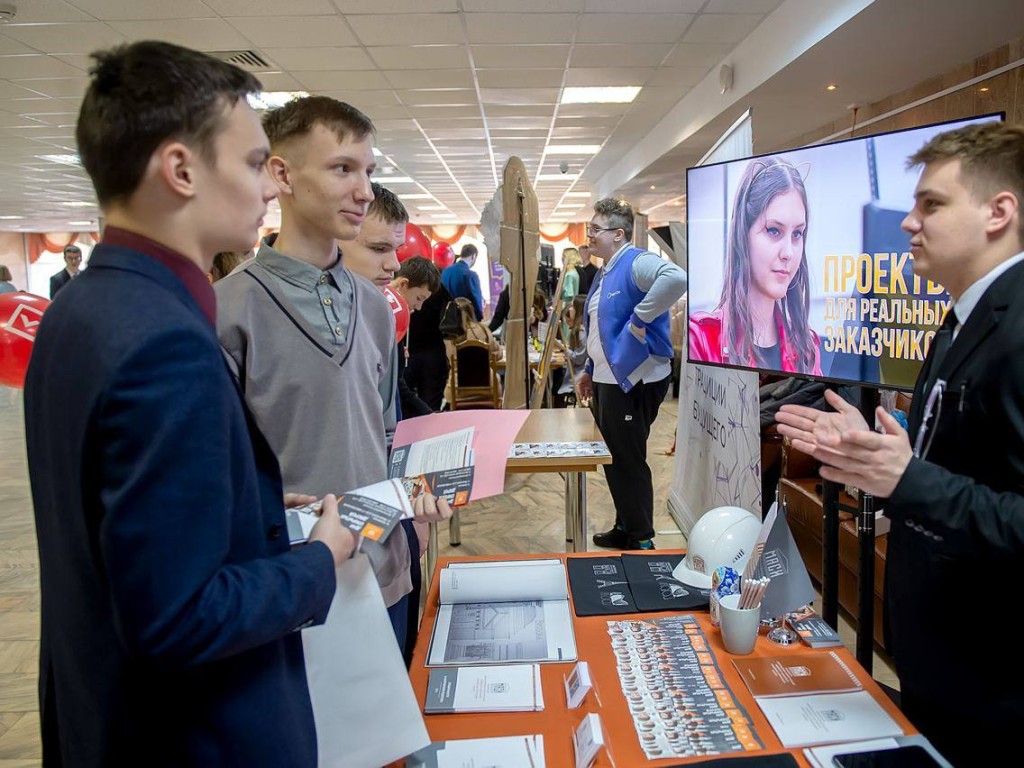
(310, 342)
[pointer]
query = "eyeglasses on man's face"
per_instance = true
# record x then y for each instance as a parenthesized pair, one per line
(593, 229)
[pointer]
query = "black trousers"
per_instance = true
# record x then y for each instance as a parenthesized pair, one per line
(625, 420)
(958, 733)
(427, 373)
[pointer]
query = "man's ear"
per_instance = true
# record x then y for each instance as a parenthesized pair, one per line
(1004, 210)
(280, 172)
(401, 283)
(176, 166)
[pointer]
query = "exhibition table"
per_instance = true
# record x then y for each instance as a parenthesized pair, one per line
(556, 723)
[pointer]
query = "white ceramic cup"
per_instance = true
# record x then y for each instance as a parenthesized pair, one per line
(739, 625)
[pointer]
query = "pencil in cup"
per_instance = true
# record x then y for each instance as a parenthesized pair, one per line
(751, 592)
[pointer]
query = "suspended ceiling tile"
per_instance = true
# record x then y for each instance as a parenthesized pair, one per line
(420, 56)
(438, 97)
(520, 78)
(49, 10)
(612, 55)
(631, 28)
(520, 56)
(18, 67)
(395, 6)
(82, 37)
(647, 6)
(608, 76)
(295, 31)
(342, 81)
(201, 34)
(429, 78)
(320, 58)
(56, 86)
(519, 95)
(108, 10)
(515, 28)
(408, 29)
(229, 8)
(445, 111)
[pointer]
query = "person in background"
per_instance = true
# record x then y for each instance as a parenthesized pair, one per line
(225, 262)
(373, 254)
(461, 281)
(72, 269)
(587, 270)
(628, 374)
(570, 277)
(6, 286)
(427, 369)
(953, 484)
(170, 598)
(762, 315)
(416, 281)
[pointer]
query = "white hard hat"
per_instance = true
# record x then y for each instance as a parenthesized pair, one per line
(722, 536)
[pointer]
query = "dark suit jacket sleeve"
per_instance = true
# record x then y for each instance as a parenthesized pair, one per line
(500, 310)
(55, 284)
(183, 592)
(969, 516)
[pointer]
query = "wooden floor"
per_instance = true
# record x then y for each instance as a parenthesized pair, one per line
(529, 517)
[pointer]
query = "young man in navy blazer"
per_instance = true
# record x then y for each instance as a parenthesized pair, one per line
(170, 597)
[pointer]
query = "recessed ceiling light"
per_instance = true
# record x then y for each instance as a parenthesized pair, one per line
(77, 204)
(653, 187)
(394, 180)
(617, 94)
(831, 87)
(572, 149)
(577, 194)
(377, 152)
(416, 195)
(984, 89)
(556, 177)
(272, 99)
(10, 218)
(443, 216)
(572, 206)
(79, 223)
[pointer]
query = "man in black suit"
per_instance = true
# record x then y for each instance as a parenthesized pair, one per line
(954, 485)
(73, 262)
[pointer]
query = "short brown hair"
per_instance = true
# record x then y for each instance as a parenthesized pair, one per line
(386, 206)
(5, 273)
(297, 118)
(142, 94)
(991, 156)
(420, 272)
(619, 214)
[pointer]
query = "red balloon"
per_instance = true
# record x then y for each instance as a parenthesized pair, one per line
(444, 254)
(416, 244)
(19, 320)
(400, 308)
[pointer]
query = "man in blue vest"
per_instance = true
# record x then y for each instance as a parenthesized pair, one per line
(629, 370)
(460, 280)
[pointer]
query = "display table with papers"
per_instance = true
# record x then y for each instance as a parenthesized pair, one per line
(594, 644)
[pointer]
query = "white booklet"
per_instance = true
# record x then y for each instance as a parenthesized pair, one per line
(506, 688)
(802, 721)
(498, 752)
(496, 612)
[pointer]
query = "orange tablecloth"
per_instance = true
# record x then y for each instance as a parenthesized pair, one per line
(593, 644)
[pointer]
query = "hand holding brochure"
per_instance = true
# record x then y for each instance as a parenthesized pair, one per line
(498, 612)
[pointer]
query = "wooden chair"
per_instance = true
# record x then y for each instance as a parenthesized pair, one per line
(472, 381)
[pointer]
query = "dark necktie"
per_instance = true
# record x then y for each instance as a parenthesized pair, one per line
(940, 347)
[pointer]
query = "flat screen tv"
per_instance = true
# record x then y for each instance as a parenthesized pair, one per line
(798, 264)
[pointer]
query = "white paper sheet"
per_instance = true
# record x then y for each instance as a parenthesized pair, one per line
(801, 721)
(364, 706)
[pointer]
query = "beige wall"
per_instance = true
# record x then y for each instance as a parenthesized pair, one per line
(1005, 94)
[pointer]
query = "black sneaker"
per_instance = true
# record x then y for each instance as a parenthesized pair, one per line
(616, 538)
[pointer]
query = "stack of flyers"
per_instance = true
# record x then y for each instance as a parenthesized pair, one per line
(557, 450)
(813, 630)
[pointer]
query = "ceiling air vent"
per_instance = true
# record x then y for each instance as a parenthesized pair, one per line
(250, 61)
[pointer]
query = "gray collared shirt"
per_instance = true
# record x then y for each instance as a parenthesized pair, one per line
(322, 297)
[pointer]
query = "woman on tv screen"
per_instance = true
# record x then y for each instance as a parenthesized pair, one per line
(761, 317)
